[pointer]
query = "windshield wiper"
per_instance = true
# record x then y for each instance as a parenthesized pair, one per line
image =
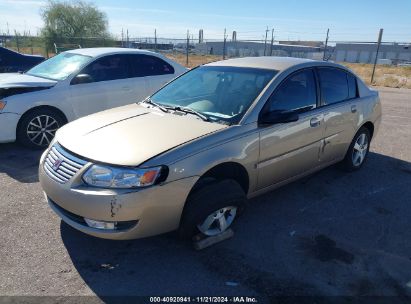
(190, 111)
(151, 102)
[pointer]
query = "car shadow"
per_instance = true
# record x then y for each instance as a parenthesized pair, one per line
(20, 163)
(331, 233)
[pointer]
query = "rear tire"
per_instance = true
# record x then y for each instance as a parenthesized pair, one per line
(358, 151)
(37, 128)
(212, 209)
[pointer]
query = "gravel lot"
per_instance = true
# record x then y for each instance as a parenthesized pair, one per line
(329, 234)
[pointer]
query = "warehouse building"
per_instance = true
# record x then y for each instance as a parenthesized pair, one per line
(249, 48)
(365, 52)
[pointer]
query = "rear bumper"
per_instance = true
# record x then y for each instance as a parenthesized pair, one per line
(8, 126)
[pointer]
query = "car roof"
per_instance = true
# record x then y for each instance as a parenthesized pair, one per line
(96, 52)
(265, 62)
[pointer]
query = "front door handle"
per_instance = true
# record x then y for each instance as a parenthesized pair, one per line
(315, 122)
(125, 88)
(353, 109)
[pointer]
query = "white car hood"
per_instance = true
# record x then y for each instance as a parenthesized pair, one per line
(130, 135)
(16, 80)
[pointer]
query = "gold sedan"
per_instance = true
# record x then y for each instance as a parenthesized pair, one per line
(188, 157)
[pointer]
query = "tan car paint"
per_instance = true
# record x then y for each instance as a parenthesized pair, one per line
(271, 155)
(136, 135)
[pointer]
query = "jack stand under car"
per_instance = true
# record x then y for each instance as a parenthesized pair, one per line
(201, 241)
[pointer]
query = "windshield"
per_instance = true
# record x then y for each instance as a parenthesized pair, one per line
(60, 66)
(219, 93)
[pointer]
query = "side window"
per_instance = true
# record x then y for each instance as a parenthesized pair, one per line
(107, 68)
(297, 93)
(352, 86)
(146, 65)
(333, 84)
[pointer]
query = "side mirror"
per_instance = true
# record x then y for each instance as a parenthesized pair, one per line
(82, 78)
(274, 117)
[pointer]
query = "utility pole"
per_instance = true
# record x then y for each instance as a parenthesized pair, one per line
(265, 43)
(200, 36)
(17, 41)
(122, 37)
(155, 40)
(127, 39)
(225, 39)
(376, 54)
(188, 43)
(326, 43)
(234, 37)
(272, 42)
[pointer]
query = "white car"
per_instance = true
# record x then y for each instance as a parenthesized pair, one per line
(33, 105)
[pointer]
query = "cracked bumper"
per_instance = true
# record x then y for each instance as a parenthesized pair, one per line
(155, 210)
(8, 126)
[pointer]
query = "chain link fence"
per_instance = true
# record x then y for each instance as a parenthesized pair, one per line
(393, 60)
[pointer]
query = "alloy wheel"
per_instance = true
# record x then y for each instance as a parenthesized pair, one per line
(41, 130)
(360, 150)
(218, 221)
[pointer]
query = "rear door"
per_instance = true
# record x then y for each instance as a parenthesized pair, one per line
(339, 107)
(290, 149)
(157, 72)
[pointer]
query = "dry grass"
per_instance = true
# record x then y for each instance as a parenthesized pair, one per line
(193, 60)
(385, 75)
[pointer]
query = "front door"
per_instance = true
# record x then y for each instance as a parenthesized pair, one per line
(290, 149)
(110, 85)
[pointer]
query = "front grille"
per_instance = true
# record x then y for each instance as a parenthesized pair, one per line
(60, 165)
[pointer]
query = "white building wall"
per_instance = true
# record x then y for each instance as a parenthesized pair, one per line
(405, 56)
(352, 56)
(391, 55)
(364, 57)
(340, 56)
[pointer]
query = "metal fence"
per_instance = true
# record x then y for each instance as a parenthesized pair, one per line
(191, 51)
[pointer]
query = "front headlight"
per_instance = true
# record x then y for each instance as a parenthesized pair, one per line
(112, 177)
(2, 104)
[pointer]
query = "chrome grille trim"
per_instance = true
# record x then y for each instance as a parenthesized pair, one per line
(68, 167)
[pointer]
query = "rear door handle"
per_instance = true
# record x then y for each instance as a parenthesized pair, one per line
(353, 109)
(125, 88)
(315, 122)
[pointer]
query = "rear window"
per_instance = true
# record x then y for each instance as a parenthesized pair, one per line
(334, 85)
(146, 65)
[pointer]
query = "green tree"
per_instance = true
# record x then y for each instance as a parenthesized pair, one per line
(73, 22)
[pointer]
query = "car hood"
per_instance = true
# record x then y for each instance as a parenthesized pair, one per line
(130, 135)
(17, 80)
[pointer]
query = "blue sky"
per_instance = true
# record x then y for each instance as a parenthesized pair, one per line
(355, 20)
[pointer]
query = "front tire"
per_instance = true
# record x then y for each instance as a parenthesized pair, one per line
(358, 151)
(38, 127)
(212, 209)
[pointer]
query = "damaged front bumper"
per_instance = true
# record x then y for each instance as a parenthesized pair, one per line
(134, 213)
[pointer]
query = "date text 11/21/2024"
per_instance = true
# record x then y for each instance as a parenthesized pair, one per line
(236, 299)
